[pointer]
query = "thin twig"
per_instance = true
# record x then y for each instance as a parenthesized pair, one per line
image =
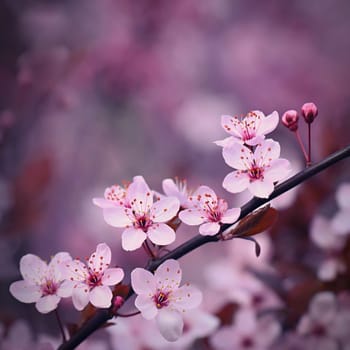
(60, 325)
(104, 315)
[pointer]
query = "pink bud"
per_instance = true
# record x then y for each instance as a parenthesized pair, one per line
(309, 111)
(118, 301)
(290, 120)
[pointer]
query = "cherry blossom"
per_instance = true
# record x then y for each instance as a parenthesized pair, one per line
(248, 332)
(142, 218)
(177, 189)
(341, 222)
(324, 236)
(208, 211)
(257, 171)
(250, 130)
(91, 281)
(43, 284)
(159, 296)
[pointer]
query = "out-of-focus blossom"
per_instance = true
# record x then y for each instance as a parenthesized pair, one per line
(91, 282)
(326, 325)
(208, 211)
(257, 171)
(177, 189)
(323, 235)
(247, 332)
(250, 130)
(42, 284)
(160, 296)
(341, 222)
(142, 218)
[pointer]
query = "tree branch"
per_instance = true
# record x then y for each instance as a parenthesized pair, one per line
(104, 315)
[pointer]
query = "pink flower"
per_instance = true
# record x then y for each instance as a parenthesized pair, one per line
(248, 332)
(159, 296)
(177, 189)
(142, 218)
(341, 222)
(91, 282)
(42, 284)
(208, 211)
(256, 171)
(250, 130)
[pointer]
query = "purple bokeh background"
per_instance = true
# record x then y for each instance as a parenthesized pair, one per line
(94, 92)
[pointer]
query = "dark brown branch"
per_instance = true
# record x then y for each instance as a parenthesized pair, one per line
(104, 315)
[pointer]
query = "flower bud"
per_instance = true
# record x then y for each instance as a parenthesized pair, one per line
(309, 111)
(290, 120)
(117, 303)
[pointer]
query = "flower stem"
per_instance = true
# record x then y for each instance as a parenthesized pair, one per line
(60, 325)
(104, 315)
(148, 250)
(300, 142)
(309, 142)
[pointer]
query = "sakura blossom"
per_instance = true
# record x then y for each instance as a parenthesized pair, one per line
(247, 332)
(91, 281)
(142, 218)
(178, 189)
(250, 129)
(43, 284)
(341, 222)
(258, 171)
(208, 211)
(324, 236)
(160, 297)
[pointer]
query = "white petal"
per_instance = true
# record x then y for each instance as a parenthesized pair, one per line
(328, 270)
(168, 275)
(117, 217)
(139, 195)
(80, 296)
(47, 303)
(104, 203)
(33, 269)
(25, 292)
(186, 297)
(261, 188)
(76, 270)
(142, 281)
(132, 238)
(341, 222)
(192, 216)
(266, 152)
(343, 196)
(170, 324)
(238, 156)
(236, 182)
(101, 258)
(231, 125)
(209, 228)
(112, 276)
(269, 123)
(228, 141)
(231, 215)
(277, 170)
(165, 209)
(101, 296)
(323, 307)
(161, 234)
(56, 267)
(146, 305)
(65, 289)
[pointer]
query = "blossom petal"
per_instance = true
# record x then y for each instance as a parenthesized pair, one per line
(139, 195)
(32, 268)
(266, 152)
(228, 141)
(76, 270)
(161, 234)
(117, 216)
(278, 170)
(165, 209)
(101, 296)
(170, 188)
(146, 305)
(25, 292)
(238, 156)
(268, 123)
(65, 289)
(170, 324)
(209, 228)
(104, 203)
(261, 188)
(132, 238)
(231, 215)
(56, 265)
(143, 281)
(323, 307)
(101, 258)
(236, 182)
(47, 303)
(192, 216)
(80, 296)
(168, 275)
(186, 297)
(231, 125)
(112, 276)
